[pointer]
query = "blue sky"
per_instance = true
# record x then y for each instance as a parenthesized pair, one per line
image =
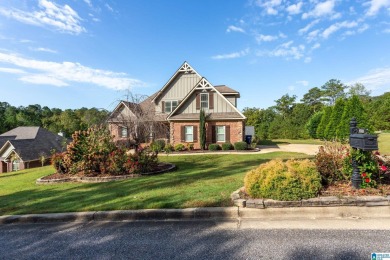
(91, 53)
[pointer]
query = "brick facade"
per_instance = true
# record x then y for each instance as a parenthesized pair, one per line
(236, 131)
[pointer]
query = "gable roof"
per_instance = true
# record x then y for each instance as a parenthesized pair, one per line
(223, 89)
(184, 68)
(31, 142)
(205, 84)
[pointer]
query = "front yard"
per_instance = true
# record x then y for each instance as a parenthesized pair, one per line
(200, 181)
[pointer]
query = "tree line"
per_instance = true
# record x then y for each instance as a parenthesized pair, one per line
(323, 113)
(53, 119)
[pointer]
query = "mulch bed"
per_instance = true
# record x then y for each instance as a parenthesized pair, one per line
(345, 189)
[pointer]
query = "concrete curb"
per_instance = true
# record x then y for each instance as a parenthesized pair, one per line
(230, 213)
(330, 201)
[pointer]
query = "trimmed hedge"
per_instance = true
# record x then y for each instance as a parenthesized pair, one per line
(290, 181)
(227, 146)
(180, 147)
(240, 146)
(214, 147)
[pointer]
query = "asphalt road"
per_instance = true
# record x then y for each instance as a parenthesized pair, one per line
(184, 240)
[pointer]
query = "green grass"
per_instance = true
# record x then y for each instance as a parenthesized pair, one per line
(290, 141)
(200, 181)
(384, 143)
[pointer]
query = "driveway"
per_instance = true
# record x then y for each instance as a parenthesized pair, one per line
(310, 149)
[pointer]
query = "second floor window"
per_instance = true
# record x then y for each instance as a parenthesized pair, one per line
(204, 100)
(169, 106)
(123, 132)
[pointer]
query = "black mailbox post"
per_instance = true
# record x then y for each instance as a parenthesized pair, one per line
(359, 139)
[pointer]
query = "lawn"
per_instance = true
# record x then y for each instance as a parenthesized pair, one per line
(384, 143)
(200, 181)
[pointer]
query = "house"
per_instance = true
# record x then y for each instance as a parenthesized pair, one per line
(175, 112)
(22, 147)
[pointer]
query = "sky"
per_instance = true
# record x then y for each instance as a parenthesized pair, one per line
(93, 53)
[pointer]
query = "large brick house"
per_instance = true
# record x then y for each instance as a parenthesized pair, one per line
(177, 106)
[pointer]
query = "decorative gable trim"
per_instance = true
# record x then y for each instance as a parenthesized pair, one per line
(184, 68)
(204, 84)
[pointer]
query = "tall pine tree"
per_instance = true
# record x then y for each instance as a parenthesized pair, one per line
(324, 122)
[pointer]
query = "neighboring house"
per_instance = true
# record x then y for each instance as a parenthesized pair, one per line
(22, 147)
(177, 107)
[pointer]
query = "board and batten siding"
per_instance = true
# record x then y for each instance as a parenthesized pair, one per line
(220, 105)
(178, 89)
(232, 99)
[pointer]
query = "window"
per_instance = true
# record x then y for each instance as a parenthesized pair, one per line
(123, 132)
(204, 100)
(220, 133)
(15, 165)
(170, 106)
(189, 133)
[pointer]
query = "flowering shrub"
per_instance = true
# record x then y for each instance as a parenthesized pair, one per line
(94, 152)
(180, 147)
(333, 162)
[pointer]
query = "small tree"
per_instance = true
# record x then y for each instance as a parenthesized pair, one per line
(323, 123)
(202, 129)
(335, 118)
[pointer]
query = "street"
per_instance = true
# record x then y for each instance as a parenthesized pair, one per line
(185, 240)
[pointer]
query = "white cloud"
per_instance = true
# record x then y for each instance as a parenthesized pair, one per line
(307, 60)
(109, 8)
(294, 8)
(316, 46)
(59, 74)
(337, 26)
(12, 70)
(377, 79)
(304, 83)
(376, 5)
(286, 50)
(291, 88)
(233, 28)
(61, 18)
(270, 6)
(321, 9)
(43, 80)
(265, 38)
(233, 55)
(43, 50)
(88, 2)
(308, 27)
(311, 36)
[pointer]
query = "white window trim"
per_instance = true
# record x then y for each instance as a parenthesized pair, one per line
(207, 100)
(224, 134)
(185, 133)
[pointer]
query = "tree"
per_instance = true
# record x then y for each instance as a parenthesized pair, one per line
(335, 118)
(323, 123)
(358, 89)
(353, 108)
(312, 124)
(332, 90)
(202, 129)
(285, 104)
(314, 98)
(379, 111)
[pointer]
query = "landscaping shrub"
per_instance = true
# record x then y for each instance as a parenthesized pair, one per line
(157, 145)
(240, 146)
(332, 162)
(57, 161)
(169, 148)
(94, 152)
(180, 147)
(227, 146)
(214, 147)
(190, 146)
(291, 180)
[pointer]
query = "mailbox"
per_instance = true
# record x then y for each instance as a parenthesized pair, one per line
(359, 139)
(365, 142)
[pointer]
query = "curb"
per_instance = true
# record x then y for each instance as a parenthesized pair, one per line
(218, 213)
(330, 201)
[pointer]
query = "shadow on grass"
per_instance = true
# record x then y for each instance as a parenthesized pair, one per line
(204, 181)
